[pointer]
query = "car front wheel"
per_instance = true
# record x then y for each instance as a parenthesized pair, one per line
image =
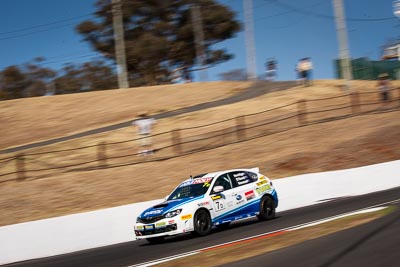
(267, 209)
(202, 223)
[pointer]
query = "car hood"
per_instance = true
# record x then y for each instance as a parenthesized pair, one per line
(166, 206)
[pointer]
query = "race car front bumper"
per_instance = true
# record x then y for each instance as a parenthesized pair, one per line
(165, 227)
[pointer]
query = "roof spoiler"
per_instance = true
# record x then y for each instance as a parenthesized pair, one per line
(255, 169)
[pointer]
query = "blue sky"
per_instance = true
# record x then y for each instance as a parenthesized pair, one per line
(285, 29)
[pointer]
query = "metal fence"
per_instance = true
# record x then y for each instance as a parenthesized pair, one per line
(180, 142)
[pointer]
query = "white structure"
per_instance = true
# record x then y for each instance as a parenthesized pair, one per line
(396, 8)
(344, 54)
(249, 40)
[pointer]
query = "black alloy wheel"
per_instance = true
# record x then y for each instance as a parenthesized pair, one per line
(267, 209)
(202, 223)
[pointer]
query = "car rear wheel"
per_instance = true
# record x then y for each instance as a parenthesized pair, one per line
(267, 209)
(156, 240)
(202, 223)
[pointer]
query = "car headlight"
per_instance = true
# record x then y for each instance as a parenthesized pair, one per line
(173, 213)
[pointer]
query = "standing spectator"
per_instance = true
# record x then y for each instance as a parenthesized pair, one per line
(271, 66)
(384, 87)
(309, 69)
(144, 125)
(304, 67)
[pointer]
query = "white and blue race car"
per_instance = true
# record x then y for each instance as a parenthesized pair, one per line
(207, 200)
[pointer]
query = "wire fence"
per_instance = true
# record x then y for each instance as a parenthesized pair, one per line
(180, 142)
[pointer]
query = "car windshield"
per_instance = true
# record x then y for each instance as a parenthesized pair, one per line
(191, 188)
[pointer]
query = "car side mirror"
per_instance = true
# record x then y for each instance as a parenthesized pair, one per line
(218, 189)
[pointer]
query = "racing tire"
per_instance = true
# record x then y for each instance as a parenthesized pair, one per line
(267, 208)
(156, 240)
(202, 223)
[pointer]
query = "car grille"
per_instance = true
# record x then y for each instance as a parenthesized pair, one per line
(154, 231)
(151, 219)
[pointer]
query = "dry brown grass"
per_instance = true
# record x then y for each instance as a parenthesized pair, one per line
(333, 145)
(30, 120)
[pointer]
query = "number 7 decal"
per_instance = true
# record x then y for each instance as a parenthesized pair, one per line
(219, 205)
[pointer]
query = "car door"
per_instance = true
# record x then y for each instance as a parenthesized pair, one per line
(223, 202)
(244, 193)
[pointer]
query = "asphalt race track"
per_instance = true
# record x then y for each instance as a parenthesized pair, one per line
(372, 244)
(376, 243)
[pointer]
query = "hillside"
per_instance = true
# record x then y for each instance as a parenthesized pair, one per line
(337, 144)
(33, 119)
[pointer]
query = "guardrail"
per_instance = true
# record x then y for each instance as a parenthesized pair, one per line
(185, 141)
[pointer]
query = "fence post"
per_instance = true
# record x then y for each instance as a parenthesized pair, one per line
(355, 102)
(20, 166)
(102, 155)
(240, 128)
(176, 141)
(302, 112)
(398, 90)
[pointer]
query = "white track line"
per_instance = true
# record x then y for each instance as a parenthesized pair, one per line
(338, 217)
(291, 228)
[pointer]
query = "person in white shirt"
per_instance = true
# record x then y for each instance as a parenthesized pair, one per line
(304, 68)
(144, 126)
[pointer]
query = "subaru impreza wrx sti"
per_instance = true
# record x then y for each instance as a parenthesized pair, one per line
(207, 200)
